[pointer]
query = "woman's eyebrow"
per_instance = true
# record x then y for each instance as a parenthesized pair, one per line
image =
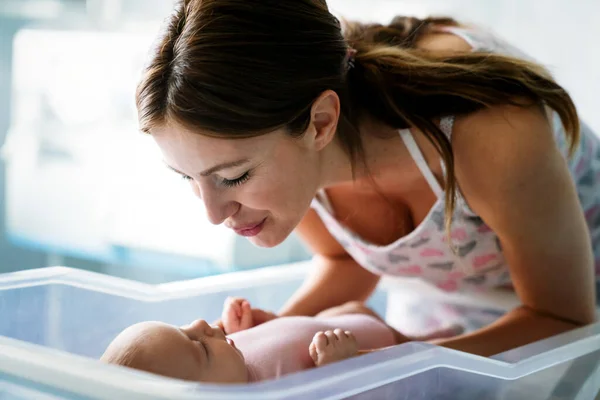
(173, 169)
(216, 168)
(225, 165)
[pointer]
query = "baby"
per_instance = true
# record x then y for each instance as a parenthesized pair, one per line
(242, 352)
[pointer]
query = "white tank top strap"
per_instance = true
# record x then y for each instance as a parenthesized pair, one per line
(324, 201)
(462, 33)
(417, 155)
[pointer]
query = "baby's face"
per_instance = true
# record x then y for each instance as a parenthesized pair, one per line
(196, 352)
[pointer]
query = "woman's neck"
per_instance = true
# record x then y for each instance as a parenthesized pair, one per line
(382, 147)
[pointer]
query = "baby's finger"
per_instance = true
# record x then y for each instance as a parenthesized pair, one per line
(231, 310)
(246, 316)
(229, 307)
(237, 308)
(234, 300)
(229, 301)
(246, 310)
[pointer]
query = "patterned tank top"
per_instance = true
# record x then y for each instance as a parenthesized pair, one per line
(477, 261)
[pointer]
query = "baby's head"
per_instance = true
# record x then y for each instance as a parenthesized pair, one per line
(196, 352)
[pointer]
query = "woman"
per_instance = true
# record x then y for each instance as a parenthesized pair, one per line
(422, 148)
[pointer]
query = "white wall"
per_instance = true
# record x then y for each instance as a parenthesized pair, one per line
(96, 204)
(561, 34)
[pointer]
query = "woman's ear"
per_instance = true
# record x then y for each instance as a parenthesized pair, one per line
(324, 117)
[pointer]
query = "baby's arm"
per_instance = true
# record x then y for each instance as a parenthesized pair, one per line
(238, 315)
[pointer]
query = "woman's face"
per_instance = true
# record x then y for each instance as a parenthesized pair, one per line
(260, 187)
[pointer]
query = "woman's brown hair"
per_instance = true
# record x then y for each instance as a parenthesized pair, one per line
(242, 68)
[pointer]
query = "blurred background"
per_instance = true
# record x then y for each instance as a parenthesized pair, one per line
(81, 187)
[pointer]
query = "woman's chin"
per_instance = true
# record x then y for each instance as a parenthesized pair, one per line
(267, 239)
(265, 243)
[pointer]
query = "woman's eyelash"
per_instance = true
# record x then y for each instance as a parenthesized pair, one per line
(237, 181)
(226, 182)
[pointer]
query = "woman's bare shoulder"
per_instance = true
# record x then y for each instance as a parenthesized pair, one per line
(440, 41)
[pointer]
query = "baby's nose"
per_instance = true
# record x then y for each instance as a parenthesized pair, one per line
(218, 332)
(201, 325)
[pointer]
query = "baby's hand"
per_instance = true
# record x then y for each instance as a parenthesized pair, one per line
(328, 347)
(237, 315)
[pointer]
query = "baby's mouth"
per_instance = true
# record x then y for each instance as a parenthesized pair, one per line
(231, 343)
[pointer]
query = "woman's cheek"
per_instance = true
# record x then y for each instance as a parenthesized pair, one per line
(260, 195)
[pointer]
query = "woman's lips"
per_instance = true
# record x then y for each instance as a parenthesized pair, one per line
(250, 230)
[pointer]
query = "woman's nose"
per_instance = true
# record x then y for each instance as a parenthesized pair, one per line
(218, 206)
(218, 213)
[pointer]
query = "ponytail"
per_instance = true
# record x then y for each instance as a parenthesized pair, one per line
(407, 87)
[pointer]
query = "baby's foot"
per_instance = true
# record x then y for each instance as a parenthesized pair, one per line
(332, 346)
(237, 315)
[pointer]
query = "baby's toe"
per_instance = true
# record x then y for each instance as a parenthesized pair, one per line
(331, 338)
(340, 334)
(320, 341)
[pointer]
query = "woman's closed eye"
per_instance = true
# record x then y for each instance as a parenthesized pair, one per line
(224, 181)
(237, 181)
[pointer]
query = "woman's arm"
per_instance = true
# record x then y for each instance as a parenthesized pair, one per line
(517, 328)
(336, 278)
(511, 173)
